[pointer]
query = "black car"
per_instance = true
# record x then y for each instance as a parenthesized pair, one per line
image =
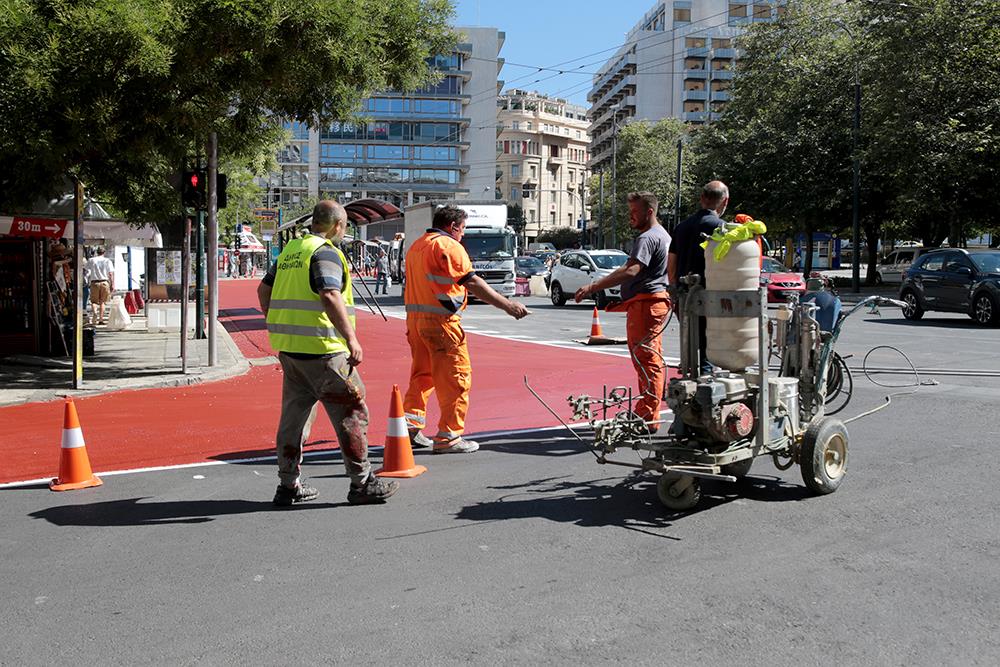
(954, 280)
(527, 266)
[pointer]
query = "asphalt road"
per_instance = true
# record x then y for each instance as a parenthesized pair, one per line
(529, 552)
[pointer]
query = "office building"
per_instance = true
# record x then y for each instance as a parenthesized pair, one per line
(542, 159)
(435, 143)
(677, 62)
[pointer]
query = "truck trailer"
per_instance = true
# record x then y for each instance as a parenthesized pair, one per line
(491, 244)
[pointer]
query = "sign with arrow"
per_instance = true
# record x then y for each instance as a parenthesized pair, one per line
(35, 227)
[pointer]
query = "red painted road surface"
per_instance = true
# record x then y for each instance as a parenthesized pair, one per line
(237, 418)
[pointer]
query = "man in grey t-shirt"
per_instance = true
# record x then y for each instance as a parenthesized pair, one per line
(644, 296)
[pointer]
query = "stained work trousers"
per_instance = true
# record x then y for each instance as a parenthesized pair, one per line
(644, 324)
(440, 362)
(336, 385)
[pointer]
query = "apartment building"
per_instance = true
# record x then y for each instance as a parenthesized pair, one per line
(542, 152)
(435, 143)
(676, 62)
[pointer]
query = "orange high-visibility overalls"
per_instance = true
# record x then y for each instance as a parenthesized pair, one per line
(437, 268)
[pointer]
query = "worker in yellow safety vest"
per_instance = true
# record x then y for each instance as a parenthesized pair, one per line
(308, 301)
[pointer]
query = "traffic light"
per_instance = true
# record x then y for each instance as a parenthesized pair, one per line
(221, 181)
(194, 189)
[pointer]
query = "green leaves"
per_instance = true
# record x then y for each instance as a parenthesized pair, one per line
(123, 92)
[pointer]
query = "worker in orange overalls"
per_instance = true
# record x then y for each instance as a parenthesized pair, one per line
(438, 276)
(644, 297)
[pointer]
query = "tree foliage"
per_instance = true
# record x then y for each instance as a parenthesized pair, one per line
(647, 161)
(560, 237)
(122, 94)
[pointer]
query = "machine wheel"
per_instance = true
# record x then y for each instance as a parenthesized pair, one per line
(912, 309)
(678, 500)
(739, 469)
(823, 458)
(985, 310)
(557, 295)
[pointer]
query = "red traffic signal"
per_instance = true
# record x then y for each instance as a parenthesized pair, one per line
(193, 180)
(194, 193)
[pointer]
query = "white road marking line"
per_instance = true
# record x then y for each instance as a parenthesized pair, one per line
(305, 455)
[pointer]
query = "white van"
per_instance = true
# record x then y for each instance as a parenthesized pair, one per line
(541, 247)
(894, 265)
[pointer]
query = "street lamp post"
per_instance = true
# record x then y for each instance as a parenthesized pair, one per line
(856, 168)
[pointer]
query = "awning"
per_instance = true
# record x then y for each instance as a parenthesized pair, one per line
(116, 232)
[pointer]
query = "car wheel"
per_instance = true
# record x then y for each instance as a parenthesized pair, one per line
(985, 310)
(557, 295)
(878, 278)
(912, 309)
(602, 300)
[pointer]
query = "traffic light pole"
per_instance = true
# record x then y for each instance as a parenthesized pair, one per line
(199, 280)
(213, 248)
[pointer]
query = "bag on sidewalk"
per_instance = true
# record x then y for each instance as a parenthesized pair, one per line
(118, 317)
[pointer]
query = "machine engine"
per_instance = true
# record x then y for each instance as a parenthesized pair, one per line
(718, 407)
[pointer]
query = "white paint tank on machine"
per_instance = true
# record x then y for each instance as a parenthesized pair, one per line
(732, 341)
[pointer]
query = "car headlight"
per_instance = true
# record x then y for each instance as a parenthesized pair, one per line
(508, 277)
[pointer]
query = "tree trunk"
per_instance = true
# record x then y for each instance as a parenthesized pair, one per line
(808, 266)
(871, 235)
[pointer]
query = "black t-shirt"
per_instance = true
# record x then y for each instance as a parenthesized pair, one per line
(686, 241)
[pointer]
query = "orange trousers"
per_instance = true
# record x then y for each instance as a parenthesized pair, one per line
(646, 315)
(440, 362)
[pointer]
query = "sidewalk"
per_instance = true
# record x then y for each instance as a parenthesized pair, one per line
(130, 359)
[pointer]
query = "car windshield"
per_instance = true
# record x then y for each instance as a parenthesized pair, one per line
(987, 262)
(609, 261)
(771, 266)
(489, 246)
(529, 263)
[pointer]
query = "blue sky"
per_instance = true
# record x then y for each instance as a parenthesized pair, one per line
(548, 32)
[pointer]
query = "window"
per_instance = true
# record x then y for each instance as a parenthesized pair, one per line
(722, 43)
(737, 11)
(694, 107)
(527, 125)
(781, 11)
(694, 42)
(515, 125)
(694, 84)
(515, 193)
(694, 63)
(579, 135)
(515, 171)
(682, 14)
(720, 64)
(720, 85)
(531, 215)
(534, 171)
(571, 175)
(762, 11)
(934, 262)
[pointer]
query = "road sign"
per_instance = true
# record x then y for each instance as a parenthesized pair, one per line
(265, 213)
(43, 227)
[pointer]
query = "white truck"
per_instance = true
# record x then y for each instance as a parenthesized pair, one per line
(491, 244)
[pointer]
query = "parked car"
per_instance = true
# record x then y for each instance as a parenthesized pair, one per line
(954, 280)
(577, 268)
(894, 265)
(781, 282)
(526, 266)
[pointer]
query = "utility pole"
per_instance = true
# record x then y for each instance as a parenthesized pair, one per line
(614, 179)
(600, 205)
(199, 277)
(677, 199)
(856, 185)
(78, 196)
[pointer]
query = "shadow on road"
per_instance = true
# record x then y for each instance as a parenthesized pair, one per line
(941, 323)
(240, 312)
(132, 512)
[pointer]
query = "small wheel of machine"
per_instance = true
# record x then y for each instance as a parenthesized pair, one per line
(739, 469)
(678, 492)
(556, 295)
(823, 458)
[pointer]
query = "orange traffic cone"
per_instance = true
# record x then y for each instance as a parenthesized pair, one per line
(397, 457)
(74, 465)
(595, 327)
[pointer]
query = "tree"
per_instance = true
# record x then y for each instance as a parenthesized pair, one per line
(647, 161)
(122, 94)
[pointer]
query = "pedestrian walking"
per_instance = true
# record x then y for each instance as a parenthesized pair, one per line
(644, 298)
(688, 257)
(439, 277)
(382, 272)
(308, 302)
(101, 274)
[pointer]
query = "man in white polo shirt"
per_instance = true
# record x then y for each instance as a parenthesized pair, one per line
(101, 274)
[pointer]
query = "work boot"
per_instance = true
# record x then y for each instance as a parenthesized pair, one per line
(374, 490)
(418, 440)
(286, 497)
(457, 445)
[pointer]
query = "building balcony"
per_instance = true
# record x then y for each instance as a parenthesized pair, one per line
(695, 95)
(724, 74)
(626, 61)
(554, 162)
(720, 95)
(696, 74)
(724, 53)
(625, 87)
(694, 116)
(604, 120)
(696, 51)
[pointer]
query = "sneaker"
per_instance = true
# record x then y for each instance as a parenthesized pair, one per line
(374, 490)
(457, 445)
(285, 497)
(418, 440)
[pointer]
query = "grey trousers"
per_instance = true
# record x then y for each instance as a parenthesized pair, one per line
(338, 387)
